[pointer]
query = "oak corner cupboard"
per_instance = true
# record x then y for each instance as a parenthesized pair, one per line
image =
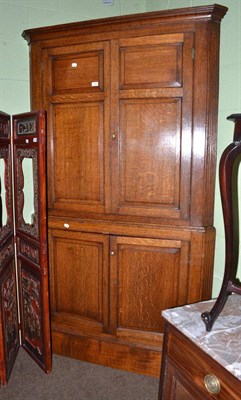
(131, 107)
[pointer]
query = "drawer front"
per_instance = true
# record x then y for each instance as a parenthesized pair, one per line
(177, 385)
(201, 370)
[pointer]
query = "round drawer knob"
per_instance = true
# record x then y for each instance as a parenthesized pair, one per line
(212, 384)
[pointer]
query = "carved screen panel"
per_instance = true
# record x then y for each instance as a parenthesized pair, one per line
(31, 233)
(9, 317)
(9, 337)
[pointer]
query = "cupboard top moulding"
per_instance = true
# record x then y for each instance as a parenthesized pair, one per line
(138, 96)
(213, 13)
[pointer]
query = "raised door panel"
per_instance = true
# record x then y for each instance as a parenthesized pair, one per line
(146, 276)
(79, 280)
(78, 73)
(76, 87)
(146, 154)
(152, 117)
(151, 62)
(78, 156)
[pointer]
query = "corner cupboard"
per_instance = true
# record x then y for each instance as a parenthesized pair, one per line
(132, 120)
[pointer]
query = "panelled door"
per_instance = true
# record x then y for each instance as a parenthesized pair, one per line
(76, 91)
(140, 284)
(152, 108)
(31, 271)
(103, 283)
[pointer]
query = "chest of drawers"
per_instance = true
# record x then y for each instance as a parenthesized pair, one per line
(199, 365)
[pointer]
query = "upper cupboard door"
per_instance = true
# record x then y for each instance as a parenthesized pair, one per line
(152, 121)
(76, 91)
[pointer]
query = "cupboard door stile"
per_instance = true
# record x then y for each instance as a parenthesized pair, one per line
(205, 123)
(114, 125)
(186, 148)
(201, 271)
(37, 63)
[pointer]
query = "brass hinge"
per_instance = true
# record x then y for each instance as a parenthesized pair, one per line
(193, 53)
(20, 334)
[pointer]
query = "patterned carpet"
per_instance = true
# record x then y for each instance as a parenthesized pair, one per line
(75, 380)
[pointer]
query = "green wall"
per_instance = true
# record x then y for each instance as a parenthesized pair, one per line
(17, 15)
(229, 103)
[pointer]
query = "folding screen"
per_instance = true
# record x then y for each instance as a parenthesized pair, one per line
(24, 303)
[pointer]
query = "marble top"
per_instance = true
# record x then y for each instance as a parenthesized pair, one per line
(223, 343)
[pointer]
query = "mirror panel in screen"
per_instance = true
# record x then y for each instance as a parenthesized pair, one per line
(28, 190)
(3, 208)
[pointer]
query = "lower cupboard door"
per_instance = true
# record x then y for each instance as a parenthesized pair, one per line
(79, 276)
(146, 277)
